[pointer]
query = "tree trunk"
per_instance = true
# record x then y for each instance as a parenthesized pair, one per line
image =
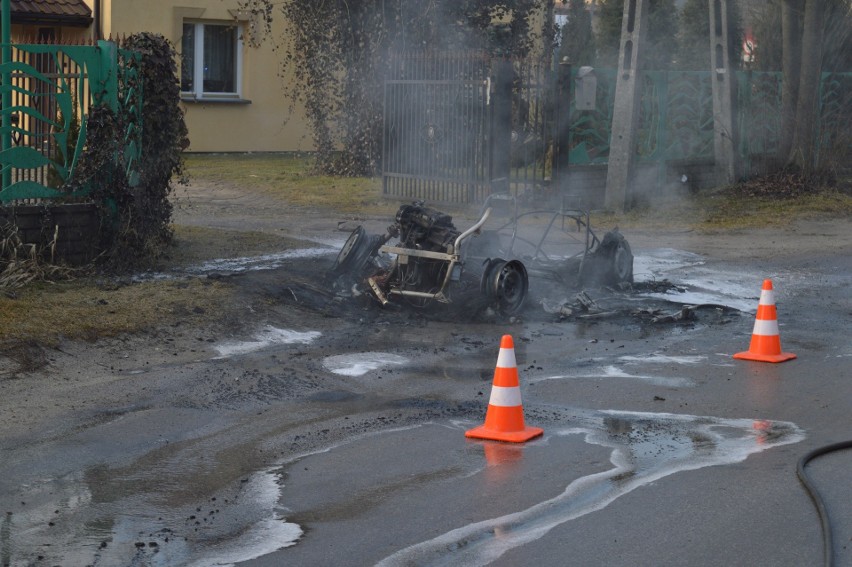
(803, 153)
(791, 34)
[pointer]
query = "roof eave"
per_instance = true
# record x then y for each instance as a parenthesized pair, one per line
(57, 20)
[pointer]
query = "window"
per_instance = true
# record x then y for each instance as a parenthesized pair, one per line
(210, 60)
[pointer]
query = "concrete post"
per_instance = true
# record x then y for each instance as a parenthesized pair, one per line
(561, 141)
(501, 127)
(724, 82)
(625, 115)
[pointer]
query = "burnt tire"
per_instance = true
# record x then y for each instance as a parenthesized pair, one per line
(621, 261)
(505, 284)
(355, 253)
(610, 264)
(353, 260)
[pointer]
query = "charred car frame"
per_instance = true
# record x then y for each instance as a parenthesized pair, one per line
(433, 261)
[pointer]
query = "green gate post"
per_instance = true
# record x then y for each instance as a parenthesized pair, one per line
(108, 96)
(108, 74)
(6, 37)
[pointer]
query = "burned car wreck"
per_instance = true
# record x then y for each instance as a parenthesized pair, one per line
(432, 261)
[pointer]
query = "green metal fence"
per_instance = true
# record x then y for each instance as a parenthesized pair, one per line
(50, 89)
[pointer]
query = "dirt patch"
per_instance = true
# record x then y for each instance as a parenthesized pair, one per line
(21, 357)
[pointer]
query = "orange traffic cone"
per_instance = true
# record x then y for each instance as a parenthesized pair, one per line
(504, 420)
(765, 341)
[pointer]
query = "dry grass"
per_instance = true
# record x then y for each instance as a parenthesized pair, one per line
(85, 309)
(289, 178)
(737, 211)
(22, 263)
(41, 303)
(734, 208)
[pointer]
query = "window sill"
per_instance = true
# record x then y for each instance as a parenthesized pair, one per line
(214, 100)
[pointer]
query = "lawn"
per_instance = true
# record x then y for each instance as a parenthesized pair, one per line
(291, 179)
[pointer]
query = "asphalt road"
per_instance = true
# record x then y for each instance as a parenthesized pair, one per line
(330, 434)
(659, 449)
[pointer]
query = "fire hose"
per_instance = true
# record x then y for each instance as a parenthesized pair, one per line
(822, 512)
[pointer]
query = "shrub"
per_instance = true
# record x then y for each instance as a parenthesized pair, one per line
(135, 220)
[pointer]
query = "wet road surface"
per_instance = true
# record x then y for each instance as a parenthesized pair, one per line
(334, 435)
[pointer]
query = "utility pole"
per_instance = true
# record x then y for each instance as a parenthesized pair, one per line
(724, 127)
(628, 96)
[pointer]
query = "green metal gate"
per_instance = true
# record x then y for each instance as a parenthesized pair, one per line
(50, 89)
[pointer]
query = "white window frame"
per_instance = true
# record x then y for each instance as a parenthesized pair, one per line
(198, 63)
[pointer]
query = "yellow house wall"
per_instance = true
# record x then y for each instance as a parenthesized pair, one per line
(264, 124)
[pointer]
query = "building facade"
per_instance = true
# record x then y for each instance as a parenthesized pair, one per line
(232, 81)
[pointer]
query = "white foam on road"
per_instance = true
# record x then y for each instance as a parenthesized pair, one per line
(253, 263)
(657, 263)
(609, 372)
(645, 447)
(336, 243)
(266, 337)
(127, 530)
(656, 358)
(697, 283)
(239, 265)
(361, 363)
(266, 535)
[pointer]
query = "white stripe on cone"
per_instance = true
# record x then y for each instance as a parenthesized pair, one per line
(505, 397)
(506, 358)
(767, 297)
(765, 327)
